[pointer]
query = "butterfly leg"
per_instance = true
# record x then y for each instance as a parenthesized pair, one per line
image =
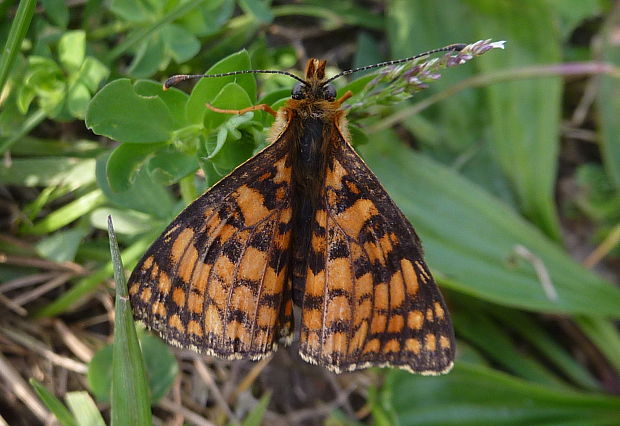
(344, 97)
(261, 107)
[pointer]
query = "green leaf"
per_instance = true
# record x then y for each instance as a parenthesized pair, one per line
(71, 50)
(92, 73)
(258, 10)
(84, 409)
(255, 417)
(179, 43)
(57, 11)
(150, 56)
(125, 161)
(168, 166)
(49, 171)
(232, 96)
(77, 100)
(174, 99)
(62, 245)
(476, 395)
(127, 222)
(120, 113)
(527, 154)
(53, 404)
(130, 394)
(207, 89)
(450, 213)
(133, 11)
(144, 195)
(608, 102)
(160, 366)
(480, 330)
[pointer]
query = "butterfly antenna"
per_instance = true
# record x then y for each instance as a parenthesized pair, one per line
(176, 79)
(450, 48)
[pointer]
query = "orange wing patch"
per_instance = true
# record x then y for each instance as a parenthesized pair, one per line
(216, 280)
(369, 298)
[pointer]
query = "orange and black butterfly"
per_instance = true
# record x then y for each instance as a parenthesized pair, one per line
(303, 222)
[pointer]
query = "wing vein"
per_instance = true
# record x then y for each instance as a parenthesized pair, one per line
(262, 278)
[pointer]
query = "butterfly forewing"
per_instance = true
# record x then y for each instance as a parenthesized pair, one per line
(369, 299)
(216, 279)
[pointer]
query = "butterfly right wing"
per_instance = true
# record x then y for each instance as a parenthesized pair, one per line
(215, 280)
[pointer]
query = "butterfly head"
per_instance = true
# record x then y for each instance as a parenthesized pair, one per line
(314, 87)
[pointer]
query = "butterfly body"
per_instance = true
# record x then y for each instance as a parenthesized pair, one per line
(303, 222)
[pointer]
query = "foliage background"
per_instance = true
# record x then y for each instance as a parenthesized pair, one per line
(508, 167)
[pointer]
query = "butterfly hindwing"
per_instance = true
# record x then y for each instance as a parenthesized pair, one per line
(216, 279)
(369, 299)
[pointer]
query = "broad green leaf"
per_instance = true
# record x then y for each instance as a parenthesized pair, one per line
(209, 18)
(92, 73)
(608, 99)
(179, 43)
(207, 89)
(125, 161)
(415, 27)
(574, 13)
(144, 195)
(150, 57)
(545, 343)
(133, 11)
(160, 366)
(119, 113)
(232, 96)
(173, 98)
(71, 50)
(473, 324)
(470, 238)
(127, 222)
(528, 154)
(168, 166)
(476, 395)
(258, 9)
(62, 246)
(57, 11)
(77, 100)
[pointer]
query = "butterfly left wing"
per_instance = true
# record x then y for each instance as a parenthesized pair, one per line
(215, 280)
(369, 298)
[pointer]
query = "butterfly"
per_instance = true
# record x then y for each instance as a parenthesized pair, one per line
(304, 222)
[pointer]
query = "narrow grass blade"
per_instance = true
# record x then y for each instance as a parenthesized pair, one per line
(63, 415)
(130, 392)
(84, 409)
(18, 31)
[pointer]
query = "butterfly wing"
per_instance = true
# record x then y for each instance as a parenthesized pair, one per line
(369, 298)
(215, 280)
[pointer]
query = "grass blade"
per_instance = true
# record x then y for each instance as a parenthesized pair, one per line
(130, 392)
(63, 415)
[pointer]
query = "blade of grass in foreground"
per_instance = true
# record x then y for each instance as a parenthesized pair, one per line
(130, 392)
